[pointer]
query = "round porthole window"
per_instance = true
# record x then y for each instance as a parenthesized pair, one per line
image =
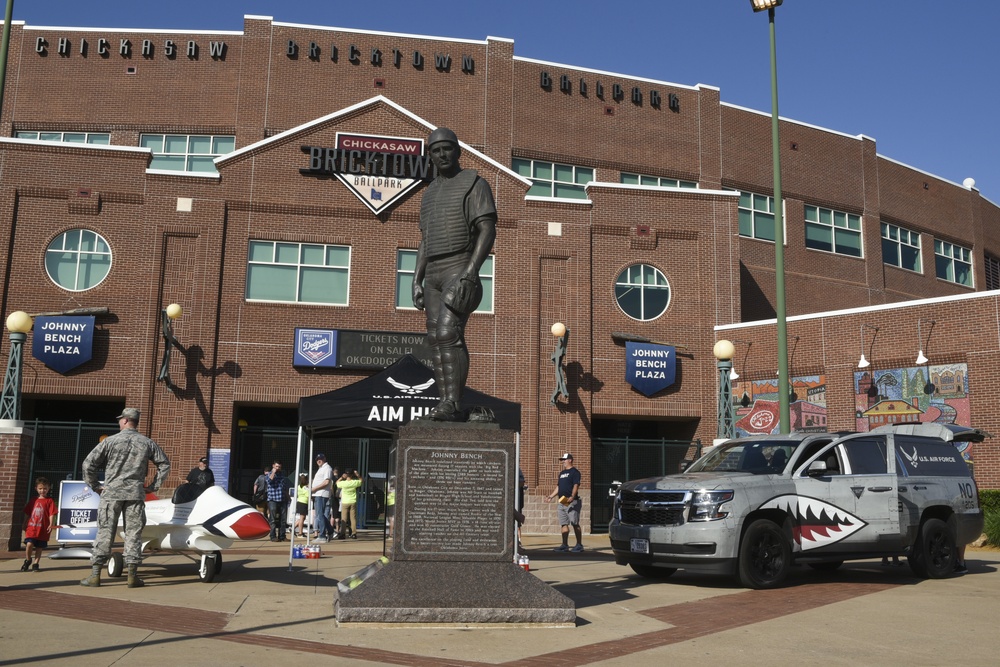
(642, 292)
(78, 260)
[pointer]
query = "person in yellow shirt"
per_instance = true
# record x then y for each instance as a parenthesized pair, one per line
(349, 483)
(301, 504)
(390, 504)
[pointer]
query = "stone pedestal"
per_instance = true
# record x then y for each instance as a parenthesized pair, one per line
(453, 543)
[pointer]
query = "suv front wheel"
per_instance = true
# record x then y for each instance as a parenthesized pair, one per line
(934, 553)
(765, 555)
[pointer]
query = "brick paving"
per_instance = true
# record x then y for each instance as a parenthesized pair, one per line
(689, 620)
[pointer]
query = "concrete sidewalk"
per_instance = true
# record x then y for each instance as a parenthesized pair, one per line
(259, 610)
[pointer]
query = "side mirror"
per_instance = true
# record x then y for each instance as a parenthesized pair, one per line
(613, 491)
(817, 468)
(684, 465)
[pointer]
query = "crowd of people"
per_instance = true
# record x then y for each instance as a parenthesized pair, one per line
(334, 502)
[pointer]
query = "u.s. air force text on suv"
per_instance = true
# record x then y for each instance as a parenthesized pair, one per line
(752, 507)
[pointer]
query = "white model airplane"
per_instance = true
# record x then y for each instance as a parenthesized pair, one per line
(206, 525)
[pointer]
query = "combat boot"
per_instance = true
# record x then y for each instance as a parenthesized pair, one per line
(94, 580)
(133, 579)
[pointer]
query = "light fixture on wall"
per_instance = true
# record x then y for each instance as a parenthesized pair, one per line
(167, 317)
(561, 333)
(864, 363)
(921, 359)
(733, 375)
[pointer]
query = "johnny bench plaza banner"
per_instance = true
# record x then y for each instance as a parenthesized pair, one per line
(649, 367)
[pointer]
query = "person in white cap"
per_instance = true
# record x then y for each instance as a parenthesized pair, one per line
(568, 511)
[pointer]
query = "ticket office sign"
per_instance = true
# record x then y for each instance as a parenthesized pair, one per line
(78, 504)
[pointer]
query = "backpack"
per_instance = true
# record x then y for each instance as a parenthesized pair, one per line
(260, 498)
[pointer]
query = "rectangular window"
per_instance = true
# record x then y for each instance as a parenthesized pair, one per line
(756, 216)
(992, 267)
(551, 179)
(867, 456)
(656, 181)
(953, 263)
(406, 266)
(833, 231)
(187, 152)
(298, 272)
(900, 247)
(98, 138)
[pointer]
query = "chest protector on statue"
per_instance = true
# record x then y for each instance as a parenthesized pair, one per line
(442, 214)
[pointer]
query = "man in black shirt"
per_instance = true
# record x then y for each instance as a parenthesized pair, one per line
(201, 476)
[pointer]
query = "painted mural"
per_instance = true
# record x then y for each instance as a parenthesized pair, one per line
(916, 394)
(755, 405)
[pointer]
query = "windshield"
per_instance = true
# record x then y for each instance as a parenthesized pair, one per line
(760, 457)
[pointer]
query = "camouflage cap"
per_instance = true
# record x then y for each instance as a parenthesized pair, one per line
(131, 414)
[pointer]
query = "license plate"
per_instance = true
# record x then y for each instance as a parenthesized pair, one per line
(639, 546)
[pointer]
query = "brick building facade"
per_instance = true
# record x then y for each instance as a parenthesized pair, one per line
(597, 140)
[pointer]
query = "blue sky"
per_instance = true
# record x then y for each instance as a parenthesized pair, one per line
(920, 77)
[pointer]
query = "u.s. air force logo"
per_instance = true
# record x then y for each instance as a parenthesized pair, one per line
(816, 523)
(410, 389)
(378, 170)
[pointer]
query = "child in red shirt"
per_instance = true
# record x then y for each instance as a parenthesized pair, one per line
(41, 513)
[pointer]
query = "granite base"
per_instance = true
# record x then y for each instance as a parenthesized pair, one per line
(454, 593)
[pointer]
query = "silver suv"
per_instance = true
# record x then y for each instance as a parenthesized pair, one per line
(754, 506)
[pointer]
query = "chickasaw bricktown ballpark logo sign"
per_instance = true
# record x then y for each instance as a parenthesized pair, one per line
(378, 170)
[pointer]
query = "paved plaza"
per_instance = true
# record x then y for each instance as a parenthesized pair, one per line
(260, 611)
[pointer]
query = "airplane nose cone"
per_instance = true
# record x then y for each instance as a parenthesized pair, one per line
(251, 526)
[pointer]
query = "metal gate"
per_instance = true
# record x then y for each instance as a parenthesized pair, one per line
(623, 459)
(60, 447)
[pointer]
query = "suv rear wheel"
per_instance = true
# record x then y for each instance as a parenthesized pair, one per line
(934, 553)
(765, 555)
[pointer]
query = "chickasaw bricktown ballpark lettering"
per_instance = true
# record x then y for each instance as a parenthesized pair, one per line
(375, 56)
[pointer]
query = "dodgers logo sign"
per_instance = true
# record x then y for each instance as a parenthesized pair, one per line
(315, 347)
(62, 343)
(648, 367)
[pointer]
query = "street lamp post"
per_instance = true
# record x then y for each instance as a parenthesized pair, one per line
(724, 351)
(779, 230)
(19, 324)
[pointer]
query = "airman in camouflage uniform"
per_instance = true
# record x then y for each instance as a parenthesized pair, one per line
(124, 458)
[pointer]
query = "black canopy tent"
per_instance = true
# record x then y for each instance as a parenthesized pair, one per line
(386, 401)
(391, 398)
